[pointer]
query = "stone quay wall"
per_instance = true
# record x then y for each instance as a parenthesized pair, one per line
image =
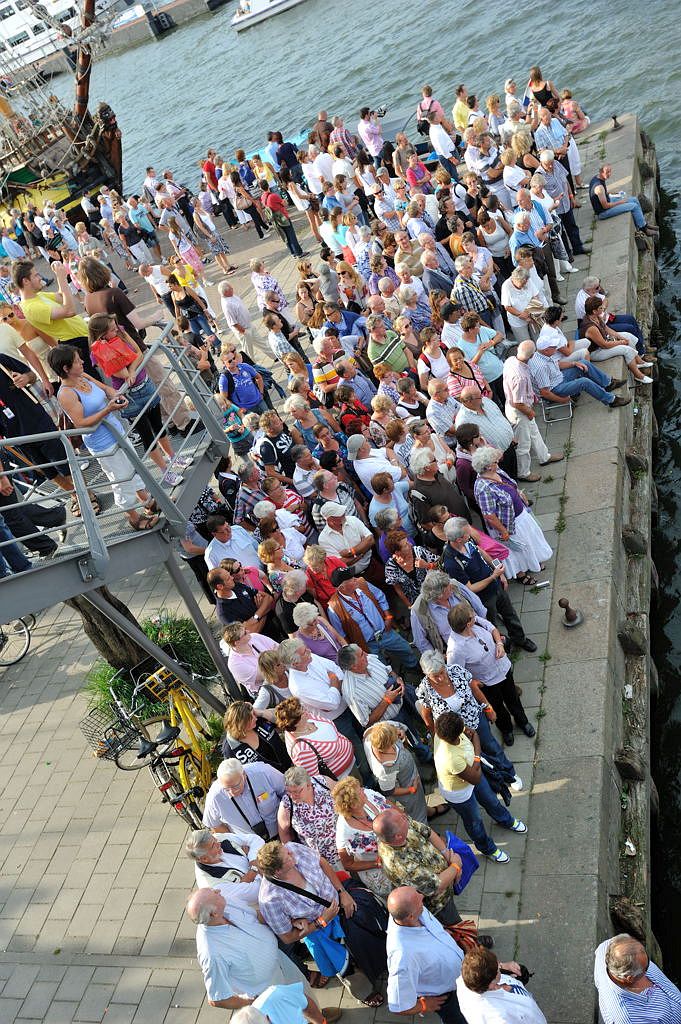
(586, 872)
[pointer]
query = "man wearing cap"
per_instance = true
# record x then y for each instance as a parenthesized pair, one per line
(360, 611)
(384, 207)
(346, 536)
(368, 461)
(556, 385)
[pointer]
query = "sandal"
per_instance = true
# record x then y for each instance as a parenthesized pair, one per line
(526, 580)
(374, 999)
(75, 508)
(145, 523)
(94, 501)
(318, 980)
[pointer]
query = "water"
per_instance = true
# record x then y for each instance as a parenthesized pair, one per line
(204, 85)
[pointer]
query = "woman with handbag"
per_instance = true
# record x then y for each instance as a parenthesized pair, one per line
(245, 203)
(306, 813)
(463, 784)
(314, 743)
(302, 898)
(119, 357)
(190, 305)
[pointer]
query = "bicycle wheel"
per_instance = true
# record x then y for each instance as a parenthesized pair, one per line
(15, 640)
(195, 772)
(171, 789)
(29, 620)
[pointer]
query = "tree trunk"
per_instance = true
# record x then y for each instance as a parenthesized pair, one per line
(115, 646)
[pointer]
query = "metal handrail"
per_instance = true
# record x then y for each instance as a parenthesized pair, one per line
(96, 543)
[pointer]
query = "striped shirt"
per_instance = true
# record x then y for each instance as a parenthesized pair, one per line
(659, 1004)
(539, 218)
(491, 423)
(279, 907)
(544, 372)
(441, 415)
(556, 182)
(279, 345)
(551, 137)
(342, 137)
(517, 382)
(325, 740)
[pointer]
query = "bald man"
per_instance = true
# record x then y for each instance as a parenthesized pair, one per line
(424, 961)
(239, 955)
(520, 401)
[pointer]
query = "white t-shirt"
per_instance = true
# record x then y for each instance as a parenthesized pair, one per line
(314, 181)
(499, 1006)
(353, 533)
(157, 281)
(235, 311)
(513, 176)
(377, 462)
(343, 166)
(440, 141)
(438, 368)
(422, 961)
(323, 166)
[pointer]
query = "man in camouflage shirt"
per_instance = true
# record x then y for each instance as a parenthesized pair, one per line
(412, 854)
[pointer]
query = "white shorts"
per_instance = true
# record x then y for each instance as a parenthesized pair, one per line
(119, 471)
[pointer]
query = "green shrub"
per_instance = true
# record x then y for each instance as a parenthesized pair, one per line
(167, 630)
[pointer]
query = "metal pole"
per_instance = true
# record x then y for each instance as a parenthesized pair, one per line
(202, 626)
(154, 650)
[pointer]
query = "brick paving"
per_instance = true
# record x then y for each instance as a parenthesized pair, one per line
(92, 875)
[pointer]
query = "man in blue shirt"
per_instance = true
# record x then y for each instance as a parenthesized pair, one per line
(343, 319)
(632, 989)
(374, 623)
(464, 561)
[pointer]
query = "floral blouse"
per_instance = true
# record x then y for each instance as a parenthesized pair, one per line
(315, 823)
(277, 576)
(461, 702)
(409, 581)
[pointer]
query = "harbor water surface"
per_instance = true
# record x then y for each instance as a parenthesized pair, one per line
(204, 85)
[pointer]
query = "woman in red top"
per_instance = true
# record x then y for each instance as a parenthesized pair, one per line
(319, 569)
(281, 219)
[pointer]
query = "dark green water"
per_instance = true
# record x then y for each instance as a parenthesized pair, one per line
(205, 86)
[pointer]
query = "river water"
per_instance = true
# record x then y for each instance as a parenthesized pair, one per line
(204, 85)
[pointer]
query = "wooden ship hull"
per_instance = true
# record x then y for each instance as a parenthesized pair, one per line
(47, 151)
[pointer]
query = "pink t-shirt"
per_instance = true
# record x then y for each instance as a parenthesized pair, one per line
(429, 106)
(244, 667)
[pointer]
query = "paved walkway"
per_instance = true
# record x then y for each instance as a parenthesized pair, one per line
(93, 878)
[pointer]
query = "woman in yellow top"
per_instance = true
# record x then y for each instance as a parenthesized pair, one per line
(464, 786)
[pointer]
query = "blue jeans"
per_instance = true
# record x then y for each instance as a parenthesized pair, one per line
(392, 642)
(449, 167)
(594, 382)
(626, 322)
(11, 556)
(631, 206)
(199, 325)
(292, 240)
(469, 812)
(490, 745)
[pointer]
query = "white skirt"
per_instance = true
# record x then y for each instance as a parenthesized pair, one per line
(527, 547)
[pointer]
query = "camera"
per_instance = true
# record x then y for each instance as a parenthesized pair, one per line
(381, 111)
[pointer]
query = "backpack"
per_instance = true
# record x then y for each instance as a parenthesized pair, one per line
(422, 123)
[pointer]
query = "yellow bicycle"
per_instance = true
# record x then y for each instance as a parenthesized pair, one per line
(185, 723)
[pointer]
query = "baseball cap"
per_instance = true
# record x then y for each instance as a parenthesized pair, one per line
(354, 443)
(332, 508)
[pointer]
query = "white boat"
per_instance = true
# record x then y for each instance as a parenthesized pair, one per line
(250, 12)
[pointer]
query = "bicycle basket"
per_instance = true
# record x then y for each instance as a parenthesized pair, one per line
(106, 735)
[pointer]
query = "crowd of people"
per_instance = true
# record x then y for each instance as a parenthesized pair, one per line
(359, 543)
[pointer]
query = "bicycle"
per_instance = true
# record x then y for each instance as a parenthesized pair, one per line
(117, 734)
(15, 640)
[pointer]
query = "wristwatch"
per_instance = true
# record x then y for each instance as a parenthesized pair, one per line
(256, 617)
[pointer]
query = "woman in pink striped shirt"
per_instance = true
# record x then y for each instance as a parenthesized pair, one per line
(314, 743)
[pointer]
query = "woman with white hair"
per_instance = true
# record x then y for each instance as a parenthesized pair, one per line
(225, 860)
(524, 303)
(508, 519)
(316, 631)
(282, 525)
(418, 313)
(306, 418)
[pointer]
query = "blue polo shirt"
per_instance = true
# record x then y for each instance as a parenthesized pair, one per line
(467, 565)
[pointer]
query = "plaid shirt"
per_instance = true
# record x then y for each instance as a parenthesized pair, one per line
(279, 907)
(342, 137)
(279, 345)
(246, 499)
(518, 382)
(494, 500)
(468, 293)
(557, 182)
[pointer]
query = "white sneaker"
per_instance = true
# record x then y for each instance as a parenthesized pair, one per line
(498, 856)
(559, 277)
(644, 380)
(645, 365)
(517, 784)
(170, 479)
(182, 461)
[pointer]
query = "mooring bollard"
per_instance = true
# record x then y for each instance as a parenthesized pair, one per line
(571, 616)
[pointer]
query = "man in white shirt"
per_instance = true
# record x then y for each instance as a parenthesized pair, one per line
(490, 992)
(346, 536)
(230, 542)
(424, 961)
(238, 319)
(368, 461)
(444, 146)
(322, 164)
(157, 281)
(314, 681)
